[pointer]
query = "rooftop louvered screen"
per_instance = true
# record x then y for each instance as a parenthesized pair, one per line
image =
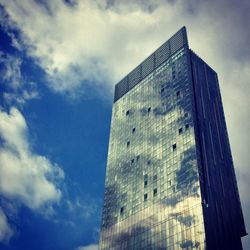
(170, 47)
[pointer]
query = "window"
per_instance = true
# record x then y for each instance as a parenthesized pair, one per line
(132, 161)
(155, 177)
(174, 147)
(186, 114)
(127, 113)
(149, 162)
(145, 183)
(155, 192)
(187, 126)
(133, 130)
(173, 74)
(128, 144)
(178, 94)
(162, 90)
(180, 131)
(145, 197)
(122, 210)
(137, 157)
(149, 109)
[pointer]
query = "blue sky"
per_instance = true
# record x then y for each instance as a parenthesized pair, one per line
(59, 61)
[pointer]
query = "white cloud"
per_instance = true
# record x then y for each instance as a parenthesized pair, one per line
(89, 247)
(11, 71)
(6, 232)
(101, 42)
(19, 98)
(25, 176)
(83, 208)
(16, 90)
(93, 42)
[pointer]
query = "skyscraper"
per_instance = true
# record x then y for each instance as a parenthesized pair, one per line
(170, 180)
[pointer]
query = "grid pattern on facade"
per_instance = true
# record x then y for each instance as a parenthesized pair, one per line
(170, 47)
(170, 181)
(152, 198)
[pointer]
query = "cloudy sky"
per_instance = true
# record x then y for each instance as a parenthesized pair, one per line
(59, 61)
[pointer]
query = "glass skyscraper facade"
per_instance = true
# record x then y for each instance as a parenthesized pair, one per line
(170, 180)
